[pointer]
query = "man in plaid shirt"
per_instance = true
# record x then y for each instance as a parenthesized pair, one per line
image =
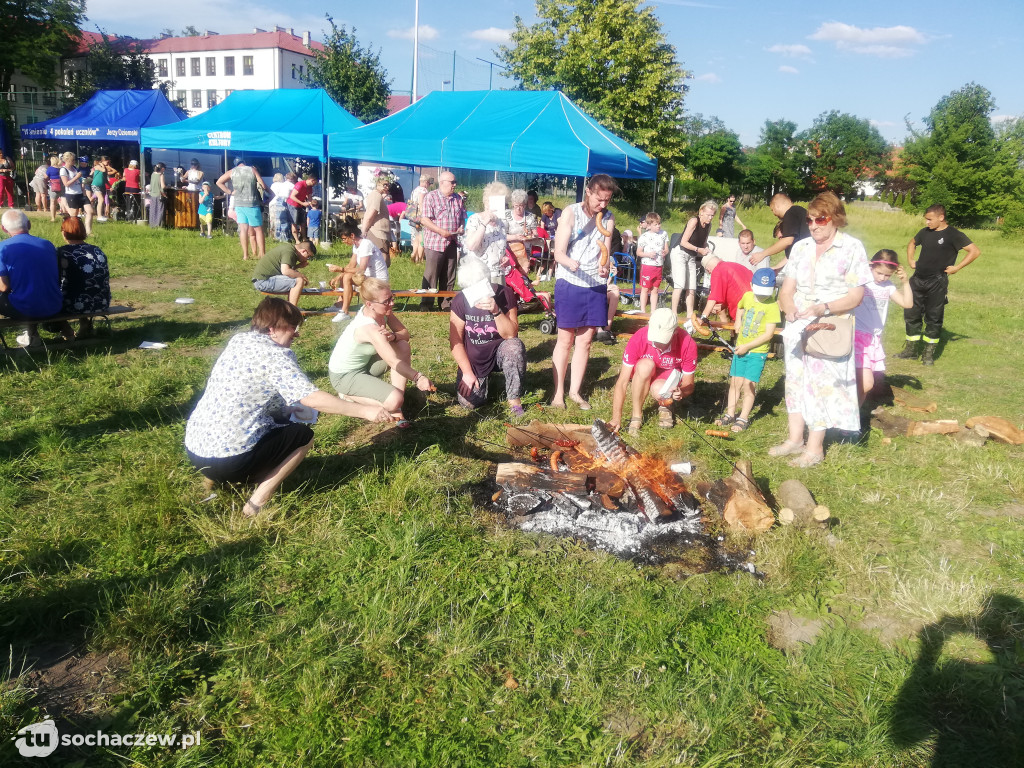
(442, 215)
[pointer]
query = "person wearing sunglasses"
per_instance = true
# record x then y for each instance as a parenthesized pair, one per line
(793, 222)
(825, 278)
(727, 219)
(374, 343)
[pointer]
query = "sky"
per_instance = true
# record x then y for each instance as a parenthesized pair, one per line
(889, 61)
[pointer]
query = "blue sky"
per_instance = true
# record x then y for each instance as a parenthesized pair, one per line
(751, 60)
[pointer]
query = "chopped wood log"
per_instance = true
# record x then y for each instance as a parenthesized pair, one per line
(890, 424)
(1001, 429)
(939, 427)
(527, 477)
(741, 502)
(976, 438)
(913, 401)
(796, 501)
(544, 435)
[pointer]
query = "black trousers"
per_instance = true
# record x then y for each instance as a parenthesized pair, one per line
(930, 304)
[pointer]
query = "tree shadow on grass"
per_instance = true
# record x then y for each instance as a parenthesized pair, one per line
(974, 711)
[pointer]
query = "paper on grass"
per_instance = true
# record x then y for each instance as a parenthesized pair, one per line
(478, 292)
(152, 345)
(184, 300)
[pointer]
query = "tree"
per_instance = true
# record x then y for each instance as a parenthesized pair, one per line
(37, 33)
(839, 149)
(774, 166)
(190, 31)
(351, 75)
(612, 59)
(957, 160)
(111, 64)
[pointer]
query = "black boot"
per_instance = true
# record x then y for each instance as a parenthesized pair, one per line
(928, 358)
(909, 352)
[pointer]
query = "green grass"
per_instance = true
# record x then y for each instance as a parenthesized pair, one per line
(377, 616)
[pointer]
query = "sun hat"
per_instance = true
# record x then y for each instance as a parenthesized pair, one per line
(763, 283)
(662, 325)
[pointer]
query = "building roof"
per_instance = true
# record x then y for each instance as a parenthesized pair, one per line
(398, 101)
(278, 39)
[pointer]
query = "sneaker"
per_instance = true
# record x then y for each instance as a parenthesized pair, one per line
(341, 317)
(27, 341)
(101, 218)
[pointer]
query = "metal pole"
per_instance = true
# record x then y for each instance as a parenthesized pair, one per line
(453, 71)
(326, 218)
(415, 52)
(671, 186)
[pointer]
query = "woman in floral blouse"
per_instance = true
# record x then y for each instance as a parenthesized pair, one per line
(487, 232)
(241, 429)
(84, 276)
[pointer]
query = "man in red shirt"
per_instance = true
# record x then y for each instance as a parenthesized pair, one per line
(655, 357)
(299, 202)
(729, 281)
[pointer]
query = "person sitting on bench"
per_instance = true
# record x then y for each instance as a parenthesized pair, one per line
(367, 261)
(29, 284)
(278, 271)
(84, 278)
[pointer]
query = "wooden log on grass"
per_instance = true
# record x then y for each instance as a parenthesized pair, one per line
(527, 477)
(1001, 429)
(913, 401)
(797, 505)
(740, 501)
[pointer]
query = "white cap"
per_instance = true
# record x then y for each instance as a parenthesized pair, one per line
(662, 325)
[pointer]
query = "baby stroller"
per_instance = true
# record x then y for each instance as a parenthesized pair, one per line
(522, 286)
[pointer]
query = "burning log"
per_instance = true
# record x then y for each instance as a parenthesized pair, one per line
(740, 501)
(527, 477)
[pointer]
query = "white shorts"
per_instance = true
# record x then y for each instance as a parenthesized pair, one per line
(684, 269)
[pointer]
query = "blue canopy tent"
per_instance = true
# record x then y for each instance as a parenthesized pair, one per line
(109, 116)
(521, 131)
(285, 121)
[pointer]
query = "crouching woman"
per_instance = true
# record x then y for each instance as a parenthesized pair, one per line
(483, 331)
(240, 431)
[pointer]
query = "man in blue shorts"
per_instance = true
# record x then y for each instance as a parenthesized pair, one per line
(247, 189)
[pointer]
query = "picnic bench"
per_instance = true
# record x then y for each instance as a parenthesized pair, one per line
(104, 316)
(404, 296)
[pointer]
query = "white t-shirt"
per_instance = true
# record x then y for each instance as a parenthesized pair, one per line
(281, 190)
(870, 314)
(652, 242)
(74, 188)
(377, 266)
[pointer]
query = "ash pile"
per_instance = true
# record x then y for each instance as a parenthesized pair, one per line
(588, 484)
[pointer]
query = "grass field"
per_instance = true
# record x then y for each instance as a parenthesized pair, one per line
(376, 616)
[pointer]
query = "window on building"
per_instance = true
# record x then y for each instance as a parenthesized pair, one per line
(197, 99)
(161, 67)
(229, 65)
(211, 66)
(49, 98)
(295, 71)
(228, 92)
(31, 94)
(247, 65)
(211, 98)
(179, 67)
(195, 66)
(302, 72)
(182, 98)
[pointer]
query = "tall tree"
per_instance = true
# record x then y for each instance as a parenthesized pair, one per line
(957, 160)
(839, 149)
(352, 75)
(36, 34)
(774, 166)
(610, 57)
(111, 64)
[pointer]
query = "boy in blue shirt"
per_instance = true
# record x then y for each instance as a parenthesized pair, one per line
(313, 221)
(757, 316)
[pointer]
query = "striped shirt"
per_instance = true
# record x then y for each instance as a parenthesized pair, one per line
(583, 247)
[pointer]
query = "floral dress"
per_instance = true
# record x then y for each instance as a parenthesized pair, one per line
(492, 247)
(84, 278)
(823, 391)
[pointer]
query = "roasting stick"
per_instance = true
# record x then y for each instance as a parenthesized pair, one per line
(714, 448)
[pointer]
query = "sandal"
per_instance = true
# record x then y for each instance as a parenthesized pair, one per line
(634, 426)
(724, 420)
(786, 449)
(807, 460)
(740, 424)
(578, 399)
(665, 418)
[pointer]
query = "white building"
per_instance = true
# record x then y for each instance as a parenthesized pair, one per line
(204, 70)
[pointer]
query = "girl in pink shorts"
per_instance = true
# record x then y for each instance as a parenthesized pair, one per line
(870, 318)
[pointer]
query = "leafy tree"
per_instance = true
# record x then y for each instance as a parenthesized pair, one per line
(612, 59)
(714, 157)
(958, 162)
(111, 64)
(36, 34)
(190, 31)
(774, 166)
(839, 149)
(351, 75)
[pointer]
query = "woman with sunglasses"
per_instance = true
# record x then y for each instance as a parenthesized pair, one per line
(825, 277)
(243, 430)
(375, 342)
(727, 219)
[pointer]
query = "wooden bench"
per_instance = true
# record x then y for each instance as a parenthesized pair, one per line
(404, 296)
(104, 316)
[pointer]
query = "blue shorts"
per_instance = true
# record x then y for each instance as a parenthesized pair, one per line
(749, 366)
(251, 216)
(275, 284)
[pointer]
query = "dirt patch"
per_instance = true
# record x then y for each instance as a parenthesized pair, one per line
(788, 632)
(66, 682)
(890, 629)
(371, 434)
(626, 726)
(1008, 510)
(144, 283)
